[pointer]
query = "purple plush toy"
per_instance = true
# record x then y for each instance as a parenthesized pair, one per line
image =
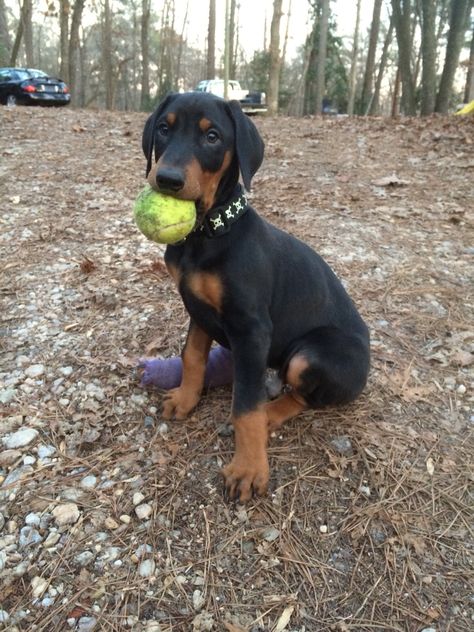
(166, 373)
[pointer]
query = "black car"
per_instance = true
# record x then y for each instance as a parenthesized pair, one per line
(27, 86)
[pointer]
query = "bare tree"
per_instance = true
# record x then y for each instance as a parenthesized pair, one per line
(287, 29)
(167, 49)
(5, 39)
(107, 55)
(232, 41)
(469, 89)
(28, 32)
(428, 48)
(64, 10)
(374, 105)
(24, 32)
(226, 49)
(144, 41)
(275, 59)
(353, 72)
(74, 43)
(457, 28)
(211, 41)
(321, 61)
(402, 17)
(370, 61)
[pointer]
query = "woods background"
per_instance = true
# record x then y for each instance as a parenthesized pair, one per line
(416, 57)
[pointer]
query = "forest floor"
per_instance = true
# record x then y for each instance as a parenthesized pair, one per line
(111, 519)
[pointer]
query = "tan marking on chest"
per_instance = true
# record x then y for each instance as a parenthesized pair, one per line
(207, 287)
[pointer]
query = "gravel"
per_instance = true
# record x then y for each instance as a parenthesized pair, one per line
(20, 438)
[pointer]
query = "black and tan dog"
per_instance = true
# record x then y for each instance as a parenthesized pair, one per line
(246, 284)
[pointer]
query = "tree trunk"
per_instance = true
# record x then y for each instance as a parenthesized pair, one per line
(322, 52)
(353, 73)
(309, 106)
(28, 32)
(226, 50)
(296, 106)
(457, 28)
(370, 61)
(180, 46)
(374, 103)
(64, 10)
(5, 39)
(285, 42)
(81, 97)
(25, 17)
(232, 42)
(145, 72)
(136, 34)
(396, 94)
(402, 17)
(167, 53)
(275, 59)
(211, 41)
(74, 46)
(469, 89)
(428, 49)
(107, 65)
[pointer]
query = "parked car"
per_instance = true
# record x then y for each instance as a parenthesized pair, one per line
(27, 86)
(252, 101)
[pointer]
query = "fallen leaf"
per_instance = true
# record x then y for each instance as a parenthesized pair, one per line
(430, 466)
(230, 627)
(284, 619)
(76, 613)
(433, 613)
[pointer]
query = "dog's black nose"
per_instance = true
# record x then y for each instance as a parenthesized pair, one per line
(170, 179)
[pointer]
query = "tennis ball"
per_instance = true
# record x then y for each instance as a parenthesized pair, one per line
(163, 218)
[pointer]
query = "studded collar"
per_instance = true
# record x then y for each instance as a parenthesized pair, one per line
(219, 220)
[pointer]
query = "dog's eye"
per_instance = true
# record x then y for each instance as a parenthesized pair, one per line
(212, 136)
(163, 129)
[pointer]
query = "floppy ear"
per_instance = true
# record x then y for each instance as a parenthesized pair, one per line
(249, 145)
(148, 138)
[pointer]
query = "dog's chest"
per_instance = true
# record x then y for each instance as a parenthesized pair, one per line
(202, 294)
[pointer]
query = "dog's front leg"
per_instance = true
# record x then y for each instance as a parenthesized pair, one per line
(248, 472)
(181, 401)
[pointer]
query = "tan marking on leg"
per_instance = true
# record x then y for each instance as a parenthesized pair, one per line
(207, 287)
(248, 472)
(289, 404)
(297, 365)
(283, 408)
(181, 401)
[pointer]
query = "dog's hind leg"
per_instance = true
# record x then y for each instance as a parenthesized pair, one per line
(325, 367)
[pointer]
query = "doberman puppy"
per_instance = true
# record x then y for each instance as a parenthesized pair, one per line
(249, 286)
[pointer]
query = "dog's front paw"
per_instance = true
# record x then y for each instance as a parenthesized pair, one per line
(179, 402)
(243, 478)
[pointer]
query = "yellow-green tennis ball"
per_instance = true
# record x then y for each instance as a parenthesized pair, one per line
(163, 218)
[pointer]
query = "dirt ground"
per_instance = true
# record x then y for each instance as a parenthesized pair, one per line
(111, 519)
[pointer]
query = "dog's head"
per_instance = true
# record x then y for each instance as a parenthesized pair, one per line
(196, 144)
